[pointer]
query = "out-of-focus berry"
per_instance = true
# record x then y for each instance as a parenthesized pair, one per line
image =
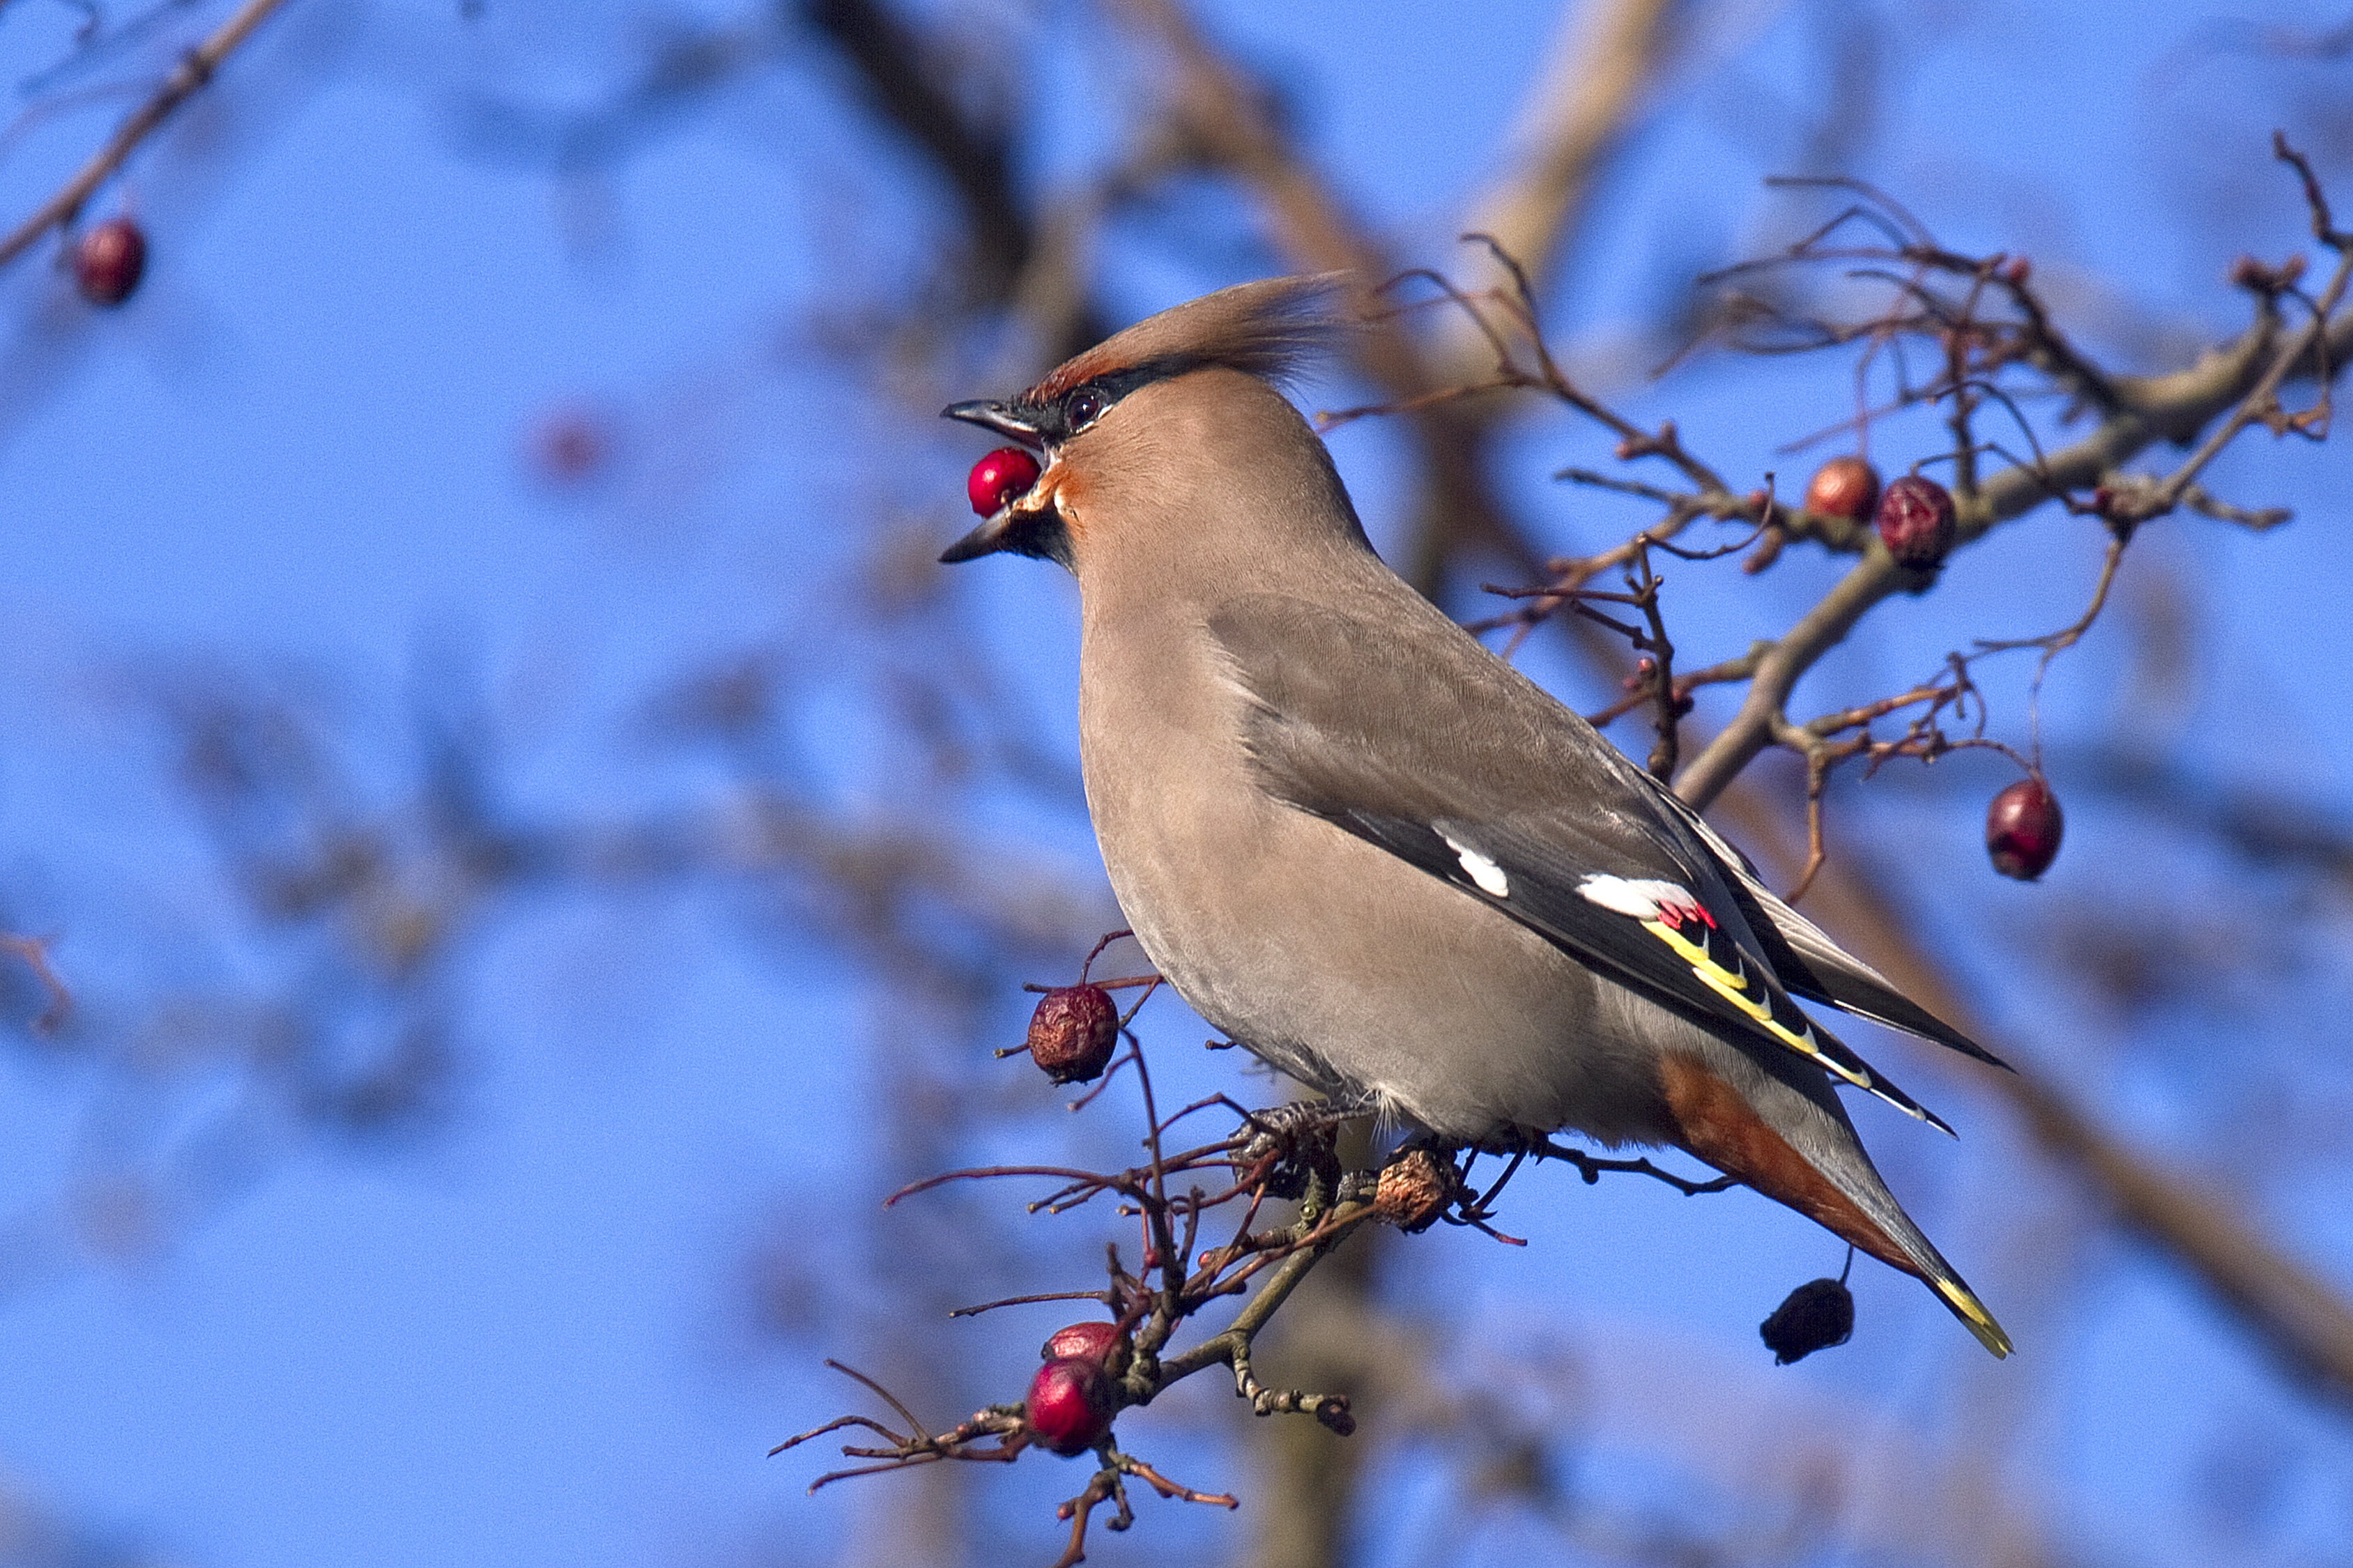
(109, 260)
(1916, 521)
(2022, 829)
(570, 447)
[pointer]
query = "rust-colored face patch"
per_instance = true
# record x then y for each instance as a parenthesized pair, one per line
(1718, 1126)
(1062, 488)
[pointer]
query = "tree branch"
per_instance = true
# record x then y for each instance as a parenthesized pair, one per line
(195, 70)
(1603, 61)
(2170, 407)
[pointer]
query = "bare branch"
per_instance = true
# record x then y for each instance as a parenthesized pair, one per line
(1604, 61)
(34, 952)
(195, 70)
(2169, 407)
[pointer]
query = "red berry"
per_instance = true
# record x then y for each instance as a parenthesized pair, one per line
(2022, 829)
(998, 478)
(1070, 1405)
(1083, 1342)
(1073, 1033)
(1916, 521)
(1845, 487)
(573, 447)
(109, 260)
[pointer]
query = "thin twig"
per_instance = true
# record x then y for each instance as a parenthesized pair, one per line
(195, 70)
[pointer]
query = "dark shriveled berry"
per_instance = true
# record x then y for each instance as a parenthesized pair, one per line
(1073, 1033)
(109, 260)
(1916, 521)
(998, 478)
(1069, 1406)
(2022, 829)
(1845, 487)
(1815, 1316)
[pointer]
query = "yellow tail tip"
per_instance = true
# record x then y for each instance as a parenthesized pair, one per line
(1974, 1317)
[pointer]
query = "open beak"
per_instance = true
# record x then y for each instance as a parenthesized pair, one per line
(992, 535)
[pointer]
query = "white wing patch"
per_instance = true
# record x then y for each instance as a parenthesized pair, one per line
(1480, 869)
(1642, 898)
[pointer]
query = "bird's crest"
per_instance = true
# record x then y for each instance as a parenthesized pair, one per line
(1270, 329)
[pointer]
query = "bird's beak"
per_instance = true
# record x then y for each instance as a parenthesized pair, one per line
(986, 540)
(997, 417)
(993, 534)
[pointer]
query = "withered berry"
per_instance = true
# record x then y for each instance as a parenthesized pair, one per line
(1073, 1033)
(1916, 521)
(1415, 1188)
(1815, 1316)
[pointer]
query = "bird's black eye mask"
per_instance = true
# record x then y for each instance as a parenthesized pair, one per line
(1045, 423)
(1058, 419)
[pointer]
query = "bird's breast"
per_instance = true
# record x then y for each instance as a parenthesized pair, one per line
(1346, 967)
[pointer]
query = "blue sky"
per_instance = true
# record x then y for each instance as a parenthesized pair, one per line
(302, 450)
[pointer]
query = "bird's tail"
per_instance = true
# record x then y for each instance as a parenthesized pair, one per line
(1892, 1239)
(1807, 1156)
(1956, 1294)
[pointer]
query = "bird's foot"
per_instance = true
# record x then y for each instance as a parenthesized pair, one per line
(1296, 1146)
(1312, 1114)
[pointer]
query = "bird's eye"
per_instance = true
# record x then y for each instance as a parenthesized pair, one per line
(1086, 407)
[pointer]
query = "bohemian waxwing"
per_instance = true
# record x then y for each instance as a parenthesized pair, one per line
(1377, 855)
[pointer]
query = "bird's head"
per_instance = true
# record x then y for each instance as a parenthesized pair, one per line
(1154, 422)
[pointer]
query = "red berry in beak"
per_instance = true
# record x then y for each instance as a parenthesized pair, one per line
(1916, 521)
(108, 260)
(998, 478)
(2022, 829)
(1070, 1405)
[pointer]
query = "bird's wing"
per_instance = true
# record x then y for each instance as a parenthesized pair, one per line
(1403, 732)
(1819, 969)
